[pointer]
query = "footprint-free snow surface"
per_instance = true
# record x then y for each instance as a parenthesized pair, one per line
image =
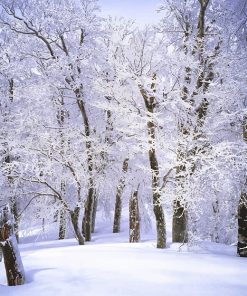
(110, 266)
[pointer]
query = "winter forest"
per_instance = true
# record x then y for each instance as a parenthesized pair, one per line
(113, 133)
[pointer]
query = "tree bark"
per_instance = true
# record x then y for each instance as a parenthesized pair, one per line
(242, 226)
(134, 219)
(62, 224)
(75, 219)
(180, 216)
(179, 223)
(88, 213)
(14, 210)
(118, 202)
(95, 205)
(150, 103)
(12, 200)
(61, 214)
(12, 259)
(242, 210)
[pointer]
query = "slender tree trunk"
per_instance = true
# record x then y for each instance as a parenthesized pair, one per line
(118, 202)
(12, 259)
(61, 214)
(14, 210)
(62, 224)
(216, 209)
(242, 209)
(74, 217)
(13, 200)
(95, 205)
(180, 215)
(242, 226)
(75, 222)
(134, 219)
(157, 206)
(13, 203)
(88, 213)
(150, 103)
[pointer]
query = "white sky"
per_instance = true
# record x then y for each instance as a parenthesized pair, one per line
(141, 10)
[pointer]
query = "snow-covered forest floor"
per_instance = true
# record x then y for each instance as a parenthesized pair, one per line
(109, 265)
(141, 124)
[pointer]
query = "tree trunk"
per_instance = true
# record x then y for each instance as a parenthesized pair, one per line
(12, 200)
(134, 219)
(88, 213)
(12, 259)
(150, 103)
(203, 79)
(62, 224)
(74, 219)
(95, 205)
(179, 223)
(242, 210)
(14, 210)
(61, 213)
(160, 222)
(118, 202)
(180, 216)
(242, 226)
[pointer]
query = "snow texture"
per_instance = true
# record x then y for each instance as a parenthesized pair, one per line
(110, 266)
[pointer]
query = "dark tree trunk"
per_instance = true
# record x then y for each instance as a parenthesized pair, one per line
(14, 275)
(150, 103)
(62, 224)
(118, 202)
(95, 205)
(12, 260)
(180, 216)
(134, 219)
(216, 210)
(88, 213)
(74, 219)
(242, 226)
(157, 206)
(61, 213)
(14, 210)
(179, 223)
(242, 210)
(12, 200)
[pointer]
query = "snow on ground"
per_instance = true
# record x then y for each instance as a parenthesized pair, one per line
(110, 266)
